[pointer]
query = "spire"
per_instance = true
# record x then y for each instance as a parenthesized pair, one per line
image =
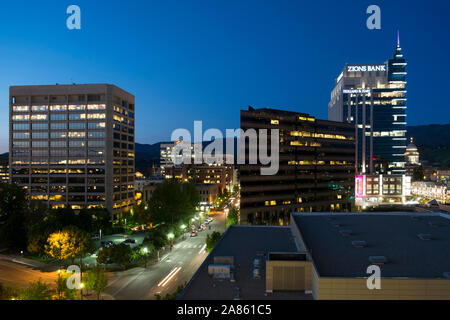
(398, 38)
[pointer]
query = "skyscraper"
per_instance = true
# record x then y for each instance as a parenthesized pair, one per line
(73, 145)
(373, 97)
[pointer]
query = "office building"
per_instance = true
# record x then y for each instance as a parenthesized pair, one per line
(384, 189)
(73, 145)
(373, 99)
(325, 256)
(223, 175)
(316, 168)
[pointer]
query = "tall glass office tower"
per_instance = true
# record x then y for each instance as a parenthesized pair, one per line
(373, 97)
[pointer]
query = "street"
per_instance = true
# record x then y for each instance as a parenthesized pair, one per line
(16, 274)
(175, 269)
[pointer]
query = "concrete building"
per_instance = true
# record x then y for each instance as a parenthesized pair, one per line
(223, 175)
(73, 145)
(428, 190)
(374, 190)
(373, 99)
(325, 256)
(316, 168)
(208, 193)
(4, 172)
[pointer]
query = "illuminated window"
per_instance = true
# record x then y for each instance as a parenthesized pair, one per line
(274, 122)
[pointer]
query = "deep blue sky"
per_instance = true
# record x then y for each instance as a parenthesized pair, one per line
(208, 59)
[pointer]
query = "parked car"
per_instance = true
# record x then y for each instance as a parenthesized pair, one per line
(95, 237)
(200, 228)
(129, 241)
(106, 244)
(194, 234)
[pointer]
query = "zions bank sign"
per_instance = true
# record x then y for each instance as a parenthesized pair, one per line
(366, 68)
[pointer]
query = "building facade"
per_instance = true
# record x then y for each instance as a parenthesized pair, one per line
(373, 99)
(73, 145)
(222, 175)
(316, 168)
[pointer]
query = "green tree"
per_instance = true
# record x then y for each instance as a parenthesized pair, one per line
(62, 290)
(172, 202)
(96, 280)
(156, 238)
(36, 291)
(119, 254)
(13, 206)
(233, 216)
(211, 240)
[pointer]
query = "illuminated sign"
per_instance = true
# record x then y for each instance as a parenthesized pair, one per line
(356, 91)
(360, 181)
(381, 67)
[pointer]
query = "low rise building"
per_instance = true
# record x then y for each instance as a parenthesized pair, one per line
(326, 256)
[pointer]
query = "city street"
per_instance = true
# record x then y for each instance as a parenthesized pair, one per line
(175, 269)
(17, 274)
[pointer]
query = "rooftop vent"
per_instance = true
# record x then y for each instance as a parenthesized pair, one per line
(425, 236)
(378, 259)
(359, 244)
(346, 232)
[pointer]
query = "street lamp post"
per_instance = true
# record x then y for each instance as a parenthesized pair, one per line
(145, 256)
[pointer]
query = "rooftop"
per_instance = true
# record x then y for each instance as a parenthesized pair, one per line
(399, 237)
(244, 244)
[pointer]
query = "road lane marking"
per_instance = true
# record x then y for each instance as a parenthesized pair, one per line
(169, 277)
(202, 250)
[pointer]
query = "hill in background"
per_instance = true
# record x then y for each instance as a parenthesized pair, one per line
(433, 142)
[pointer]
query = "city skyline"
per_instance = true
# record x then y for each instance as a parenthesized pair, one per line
(264, 55)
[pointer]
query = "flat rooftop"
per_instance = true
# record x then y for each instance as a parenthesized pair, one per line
(243, 243)
(329, 238)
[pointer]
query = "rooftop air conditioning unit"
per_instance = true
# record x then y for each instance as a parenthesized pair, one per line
(378, 259)
(359, 244)
(425, 236)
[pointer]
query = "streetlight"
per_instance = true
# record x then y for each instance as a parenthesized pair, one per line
(145, 253)
(170, 236)
(81, 290)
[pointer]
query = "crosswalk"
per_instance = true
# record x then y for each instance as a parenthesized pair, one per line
(189, 245)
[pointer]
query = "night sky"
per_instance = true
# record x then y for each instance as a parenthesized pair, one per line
(208, 59)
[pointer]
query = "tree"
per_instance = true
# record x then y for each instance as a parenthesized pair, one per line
(233, 216)
(120, 254)
(62, 290)
(13, 205)
(68, 244)
(211, 240)
(6, 293)
(172, 202)
(36, 291)
(157, 238)
(96, 280)
(418, 173)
